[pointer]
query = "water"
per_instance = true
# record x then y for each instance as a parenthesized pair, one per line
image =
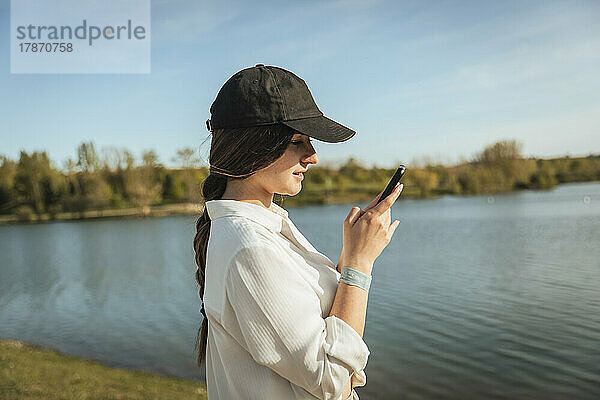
(480, 297)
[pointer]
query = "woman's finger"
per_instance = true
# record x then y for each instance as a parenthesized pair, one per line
(393, 227)
(387, 202)
(376, 199)
(353, 215)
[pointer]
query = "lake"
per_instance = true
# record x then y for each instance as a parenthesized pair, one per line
(487, 297)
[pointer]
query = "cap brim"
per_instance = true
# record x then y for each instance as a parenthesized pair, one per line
(321, 128)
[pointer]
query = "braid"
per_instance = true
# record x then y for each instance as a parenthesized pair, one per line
(213, 188)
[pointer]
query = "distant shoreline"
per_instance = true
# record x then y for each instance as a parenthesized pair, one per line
(32, 372)
(195, 208)
(155, 211)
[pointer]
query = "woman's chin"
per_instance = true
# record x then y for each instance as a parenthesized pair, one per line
(294, 189)
(299, 186)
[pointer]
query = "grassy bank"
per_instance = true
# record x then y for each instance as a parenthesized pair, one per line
(30, 372)
(132, 212)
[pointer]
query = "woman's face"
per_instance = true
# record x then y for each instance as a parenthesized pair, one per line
(284, 176)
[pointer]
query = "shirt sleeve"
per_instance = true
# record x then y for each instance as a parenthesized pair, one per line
(279, 315)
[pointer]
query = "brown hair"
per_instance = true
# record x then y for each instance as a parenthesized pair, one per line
(239, 151)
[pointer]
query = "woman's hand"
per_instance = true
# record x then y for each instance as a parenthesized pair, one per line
(367, 232)
(372, 204)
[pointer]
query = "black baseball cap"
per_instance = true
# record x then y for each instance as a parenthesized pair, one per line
(265, 95)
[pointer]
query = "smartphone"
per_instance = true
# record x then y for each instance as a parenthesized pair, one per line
(395, 179)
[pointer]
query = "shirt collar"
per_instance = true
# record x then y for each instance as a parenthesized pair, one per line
(272, 218)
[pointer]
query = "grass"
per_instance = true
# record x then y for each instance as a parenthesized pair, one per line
(30, 372)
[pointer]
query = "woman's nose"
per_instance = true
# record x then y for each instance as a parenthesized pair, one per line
(313, 158)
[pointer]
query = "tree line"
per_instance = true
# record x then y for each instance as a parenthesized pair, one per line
(115, 179)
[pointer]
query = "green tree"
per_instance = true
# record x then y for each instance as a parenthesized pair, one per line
(96, 193)
(316, 176)
(174, 189)
(8, 170)
(341, 182)
(353, 170)
(544, 177)
(54, 187)
(501, 166)
(425, 180)
(31, 170)
(469, 181)
(71, 200)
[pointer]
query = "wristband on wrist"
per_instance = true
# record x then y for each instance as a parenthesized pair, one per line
(350, 276)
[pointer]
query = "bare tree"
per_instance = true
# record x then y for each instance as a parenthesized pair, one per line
(189, 162)
(187, 158)
(87, 158)
(500, 151)
(142, 184)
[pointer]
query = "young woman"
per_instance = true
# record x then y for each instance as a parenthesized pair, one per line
(281, 321)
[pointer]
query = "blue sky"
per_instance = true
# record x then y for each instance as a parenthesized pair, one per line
(440, 79)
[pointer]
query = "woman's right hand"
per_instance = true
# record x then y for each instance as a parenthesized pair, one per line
(367, 232)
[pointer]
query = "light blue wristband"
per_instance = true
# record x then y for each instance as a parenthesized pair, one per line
(350, 276)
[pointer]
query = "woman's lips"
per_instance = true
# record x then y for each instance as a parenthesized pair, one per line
(299, 175)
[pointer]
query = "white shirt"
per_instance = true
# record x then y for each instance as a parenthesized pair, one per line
(267, 297)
